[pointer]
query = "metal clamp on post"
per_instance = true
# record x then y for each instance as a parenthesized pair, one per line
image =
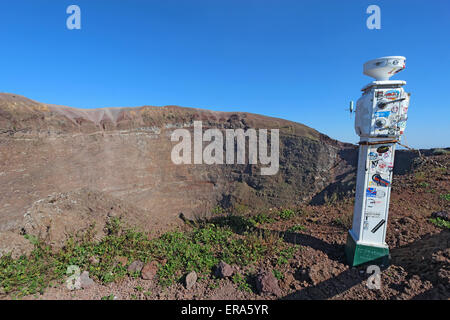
(372, 143)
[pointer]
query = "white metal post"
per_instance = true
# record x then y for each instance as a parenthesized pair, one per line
(380, 120)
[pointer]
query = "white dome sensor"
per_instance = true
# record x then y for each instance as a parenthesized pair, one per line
(385, 67)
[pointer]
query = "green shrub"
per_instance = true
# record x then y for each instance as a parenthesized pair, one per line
(286, 214)
(278, 274)
(441, 223)
(261, 218)
(440, 151)
(297, 227)
(285, 254)
(241, 282)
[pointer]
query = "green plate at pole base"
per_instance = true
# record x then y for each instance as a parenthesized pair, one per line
(358, 254)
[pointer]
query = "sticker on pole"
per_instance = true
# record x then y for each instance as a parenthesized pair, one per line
(383, 149)
(371, 192)
(373, 156)
(382, 114)
(378, 226)
(392, 94)
(380, 181)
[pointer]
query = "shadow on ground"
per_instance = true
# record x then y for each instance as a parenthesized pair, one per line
(415, 258)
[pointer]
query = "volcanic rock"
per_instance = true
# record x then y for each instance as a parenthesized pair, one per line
(121, 260)
(190, 280)
(69, 169)
(85, 281)
(135, 266)
(441, 214)
(148, 272)
(126, 153)
(224, 270)
(266, 283)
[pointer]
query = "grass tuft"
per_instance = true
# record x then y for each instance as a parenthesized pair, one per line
(440, 223)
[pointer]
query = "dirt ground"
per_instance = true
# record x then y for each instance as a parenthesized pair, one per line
(420, 265)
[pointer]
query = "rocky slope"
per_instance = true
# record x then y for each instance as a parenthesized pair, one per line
(64, 170)
(125, 153)
(419, 247)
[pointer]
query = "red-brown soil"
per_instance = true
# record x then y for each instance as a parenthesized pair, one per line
(420, 267)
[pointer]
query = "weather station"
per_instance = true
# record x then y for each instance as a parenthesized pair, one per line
(380, 120)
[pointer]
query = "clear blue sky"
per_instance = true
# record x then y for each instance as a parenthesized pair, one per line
(298, 60)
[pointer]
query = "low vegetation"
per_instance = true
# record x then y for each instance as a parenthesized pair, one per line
(296, 228)
(440, 223)
(242, 282)
(286, 214)
(235, 239)
(345, 221)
